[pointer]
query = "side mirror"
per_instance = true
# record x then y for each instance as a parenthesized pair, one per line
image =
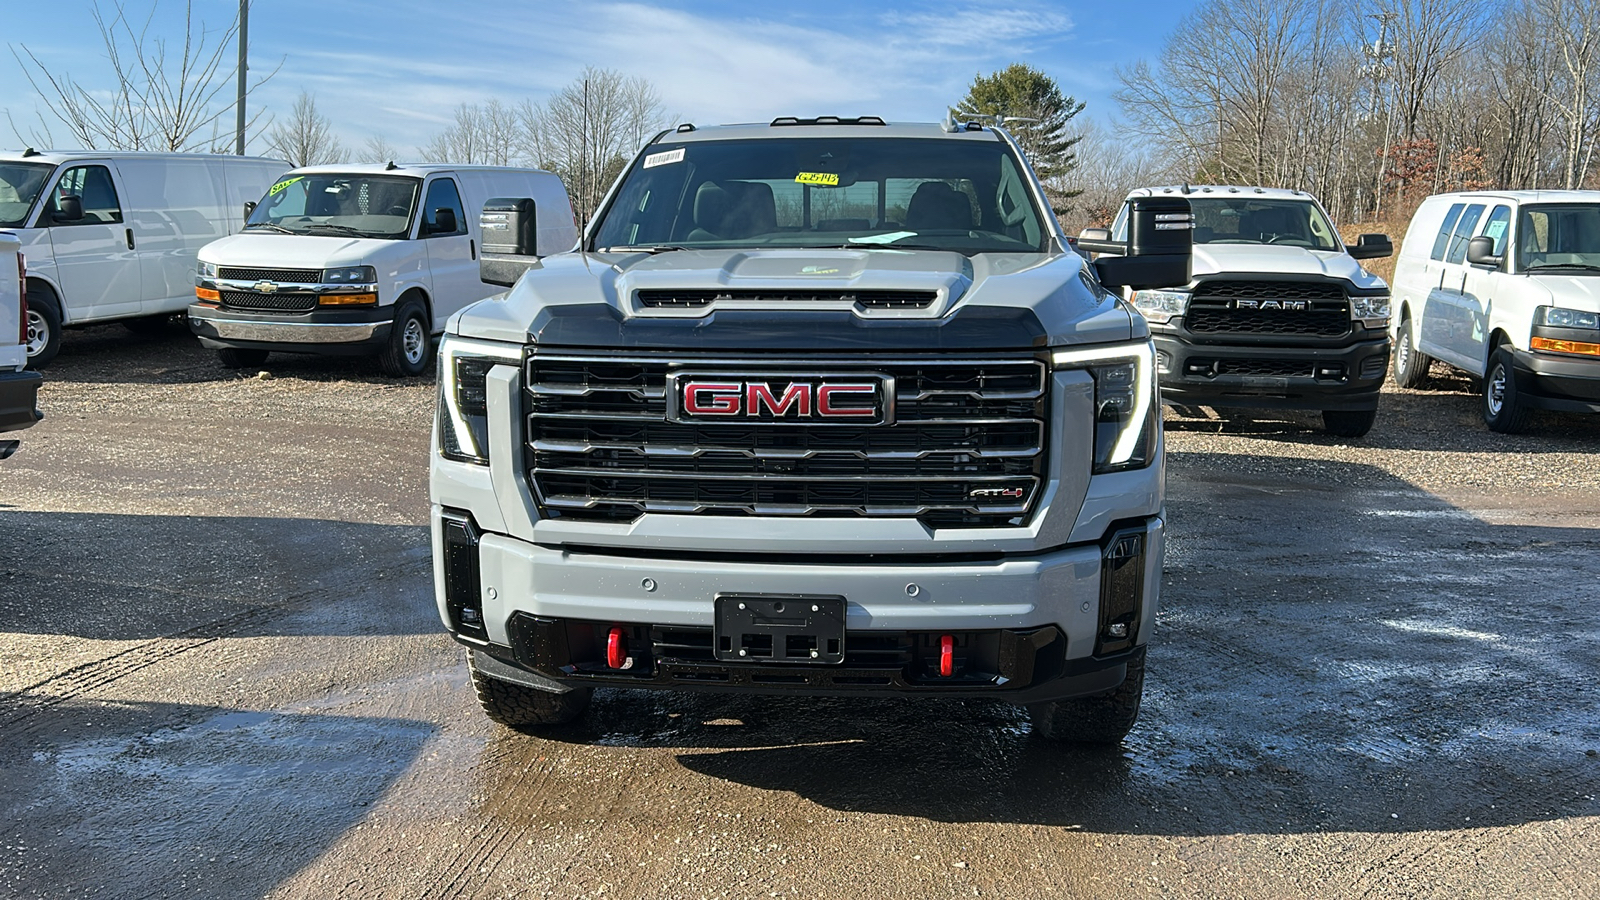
(510, 239)
(249, 209)
(1371, 246)
(1098, 240)
(444, 221)
(1480, 252)
(1159, 248)
(69, 208)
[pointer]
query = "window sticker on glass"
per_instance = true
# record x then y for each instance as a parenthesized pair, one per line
(663, 158)
(825, 179)
(1496, 229)
(278, 188)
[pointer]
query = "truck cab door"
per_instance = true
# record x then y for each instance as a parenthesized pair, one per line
(97, 266)
(452, 250)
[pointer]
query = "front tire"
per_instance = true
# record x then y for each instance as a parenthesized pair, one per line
(1410, 364)
(521, 707)
(410, 348)
(1351, 423)
(240, 358)
(1504, 408)
(1102, 719)
(44, 328)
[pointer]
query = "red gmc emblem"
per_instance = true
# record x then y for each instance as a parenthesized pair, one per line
(792, 399)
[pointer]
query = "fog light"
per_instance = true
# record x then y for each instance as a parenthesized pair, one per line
(1121, 590)
(1117, 630)
(462, 581)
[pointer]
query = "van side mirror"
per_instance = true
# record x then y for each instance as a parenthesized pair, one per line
(1159, 248)
(69, 208)
(249, 209)
(1371, 246)
(444, 221)
(1480, 252)
(510, 239)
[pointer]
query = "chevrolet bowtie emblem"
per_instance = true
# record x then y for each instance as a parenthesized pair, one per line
(265, 287)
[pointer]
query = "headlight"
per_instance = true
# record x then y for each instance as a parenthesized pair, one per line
(464, 395)
(1373, 311)
(1126, 414)
(206, 270)
(1557, 317)
(350, 275)
(1160, 306)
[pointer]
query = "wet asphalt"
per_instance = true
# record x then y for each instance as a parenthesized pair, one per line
(221, 675)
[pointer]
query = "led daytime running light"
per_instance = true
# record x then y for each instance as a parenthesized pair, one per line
(450, 350)
(1143, 357)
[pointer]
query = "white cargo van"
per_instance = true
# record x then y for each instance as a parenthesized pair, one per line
(364, 260)
(1505, 286)
(114, 235)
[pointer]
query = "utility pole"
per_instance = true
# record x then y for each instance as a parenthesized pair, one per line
(1379, 53)
(583, 158)
(244, 52)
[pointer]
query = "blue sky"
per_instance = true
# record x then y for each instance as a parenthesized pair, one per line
(399, 68)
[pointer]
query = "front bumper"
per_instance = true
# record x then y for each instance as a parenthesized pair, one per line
(335, 332)
(19, 400)
(1272, 376)
(1030, 628)
(1558, 382)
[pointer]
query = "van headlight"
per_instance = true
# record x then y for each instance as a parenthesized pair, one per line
(1127, 415)
(1161, 306)
(1559, 317)
(350, 275)
(205, 269)
(464, 366)
(1372, 311)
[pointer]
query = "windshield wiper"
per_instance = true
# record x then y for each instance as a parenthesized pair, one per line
(278, 228)
(1584, 266)
(338, 229)
(643, 248)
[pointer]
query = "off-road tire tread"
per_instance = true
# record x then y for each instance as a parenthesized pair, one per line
(517, 706)
(1101, 719)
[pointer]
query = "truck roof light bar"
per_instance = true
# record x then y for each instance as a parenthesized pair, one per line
(828, 120)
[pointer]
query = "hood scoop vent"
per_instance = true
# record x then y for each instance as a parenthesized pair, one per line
(680, 299)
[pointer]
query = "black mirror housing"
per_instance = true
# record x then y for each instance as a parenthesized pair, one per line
(444, 221)
(1159, 249)
(69, 208)
(1480, 252)
(249, 208)
(1371, 246)
(510, 230)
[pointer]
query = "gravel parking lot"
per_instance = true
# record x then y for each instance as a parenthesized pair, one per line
(221, 675)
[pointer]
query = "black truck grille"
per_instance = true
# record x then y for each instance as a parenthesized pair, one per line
(1214, 309)
(279, 276)
(965, 448)
(270, 302)
(662, 299)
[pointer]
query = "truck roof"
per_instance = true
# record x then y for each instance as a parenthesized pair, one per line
(825, 127)
(56, 157)
(1201, 190)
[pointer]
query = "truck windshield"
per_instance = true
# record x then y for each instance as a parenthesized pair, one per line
(20, 184)
(968, 196)
(1565, 236)
(1243, 220)
(338, 204)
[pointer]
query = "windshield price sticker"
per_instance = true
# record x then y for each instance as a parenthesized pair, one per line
(661, 159)
(826, 179)
(278, 188)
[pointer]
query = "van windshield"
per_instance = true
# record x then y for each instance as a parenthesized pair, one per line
(20, 184)
(908, 193)
(1243, 220)
(1565, 236)
(338, 204)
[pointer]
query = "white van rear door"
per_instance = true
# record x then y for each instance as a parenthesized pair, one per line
(96, 263)
(452, 256)
(175, 207)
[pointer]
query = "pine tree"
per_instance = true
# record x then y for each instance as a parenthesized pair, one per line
(1022, 92)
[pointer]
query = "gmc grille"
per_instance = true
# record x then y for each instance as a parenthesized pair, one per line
(1212, 309)
(966, 447)
(280, 276)
(269, 302)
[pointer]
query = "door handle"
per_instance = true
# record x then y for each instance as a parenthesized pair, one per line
(129, 233)
(472, 247)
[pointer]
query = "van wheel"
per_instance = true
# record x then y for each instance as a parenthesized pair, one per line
(240, 358)
(1504, 409)
(520, 707)
(1410, 364)
(1348, 422)
(1100, 719)
(410, 348)
(44, 328)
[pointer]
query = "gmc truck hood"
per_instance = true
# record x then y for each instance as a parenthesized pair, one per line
(1012, 301)
(1218, 259)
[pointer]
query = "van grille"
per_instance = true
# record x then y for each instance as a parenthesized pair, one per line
(271, 302)
(280, 276)
(1212, 310)
(966, 447)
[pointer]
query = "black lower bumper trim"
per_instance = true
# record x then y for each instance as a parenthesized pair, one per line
(1269, 376)
(1559, 383)
(19, 400)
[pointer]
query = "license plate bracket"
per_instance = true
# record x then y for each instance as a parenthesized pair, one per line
(781, 629)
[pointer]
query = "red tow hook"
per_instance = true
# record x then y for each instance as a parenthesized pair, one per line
(616, 648)
(947, 655)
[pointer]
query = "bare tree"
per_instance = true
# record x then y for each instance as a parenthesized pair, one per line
(377, 150)
(306, 137)
(162, 98)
